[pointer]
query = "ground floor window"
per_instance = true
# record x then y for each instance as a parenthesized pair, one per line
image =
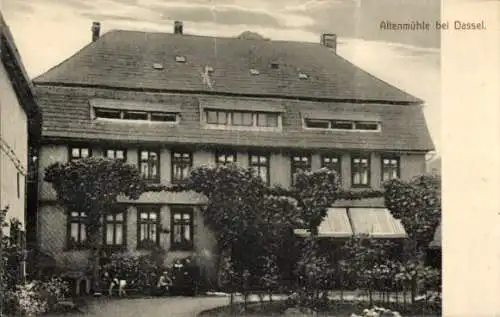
(115, 229)
(77, 230)
(181, 228)
(148, 226)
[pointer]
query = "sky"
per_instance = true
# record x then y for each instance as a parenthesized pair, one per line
(49, 31)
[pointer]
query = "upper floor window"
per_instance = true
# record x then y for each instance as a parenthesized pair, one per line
(149, 165)
(182, 162)
(116, 154)
(390, 168)
(108, 113)
(300, 163)
(148, 226)
(80, 152)
(115, 229)
(222, 158)
(331, 162)
(136, 115)
(267, 119)
(242, 118)
(260, 164)
(342, 124)
(217, 117)
(360, 170)
(163, 117)
(77, 230)
(181, 228)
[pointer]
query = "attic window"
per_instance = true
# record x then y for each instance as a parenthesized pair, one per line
(366, 125)
(180, 59)
(163, 117)
(254, 71)
(107, 113)
(303, 76)
(275, 65)
(157, 66)
(317, 124)
(135, 115)
(342, 125)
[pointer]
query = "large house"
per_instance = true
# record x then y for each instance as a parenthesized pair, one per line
(19, 133)
(168, 102)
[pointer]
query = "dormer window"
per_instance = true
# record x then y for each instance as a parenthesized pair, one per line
(135, 115)
(245, 114)
(275, 65)
(158, 66)
(107, 113)
(254, 71)
(366, 125)
(132, 110)
(242, 118)
(163, 117)
(329, 122)
(318, 124)
(342, 125)
(303, 76)
(180, 59)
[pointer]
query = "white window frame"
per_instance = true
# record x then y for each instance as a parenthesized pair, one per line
(139, 121)
(330, 128)
(229, 125)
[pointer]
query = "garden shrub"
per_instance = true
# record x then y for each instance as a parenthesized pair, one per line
(139, 270)
(35, 298)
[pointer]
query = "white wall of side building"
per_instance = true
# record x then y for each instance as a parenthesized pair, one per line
(13, 149)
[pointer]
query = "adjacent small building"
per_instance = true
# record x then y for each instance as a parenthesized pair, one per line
(169, 102)
(20, 121)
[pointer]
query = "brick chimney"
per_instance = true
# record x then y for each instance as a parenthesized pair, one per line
(329, 40)
(178, 27)
(96, 30)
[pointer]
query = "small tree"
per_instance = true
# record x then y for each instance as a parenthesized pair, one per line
(91, 186)
(315, 192)
(363, 256)
(417, 204)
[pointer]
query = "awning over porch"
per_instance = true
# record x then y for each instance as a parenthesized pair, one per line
(335, 225)
(436, 241)
(376, 222)
(346, 222)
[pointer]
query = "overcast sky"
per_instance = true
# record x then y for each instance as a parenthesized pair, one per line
(48, 31)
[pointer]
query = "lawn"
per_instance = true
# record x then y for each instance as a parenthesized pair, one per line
(276, 309)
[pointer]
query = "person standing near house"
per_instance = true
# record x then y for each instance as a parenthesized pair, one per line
(164, 283)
